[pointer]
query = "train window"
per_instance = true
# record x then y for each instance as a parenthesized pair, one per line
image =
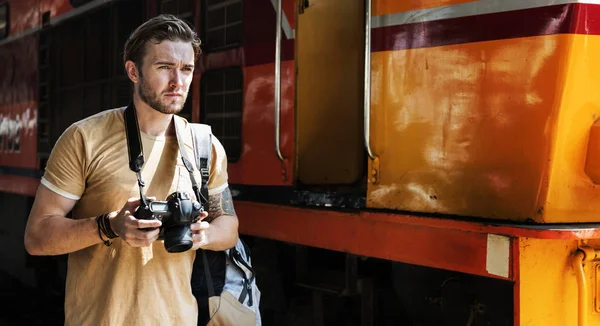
(183, 9)
(128, 17)
(221, 24)
(221, 106)
(4, 21)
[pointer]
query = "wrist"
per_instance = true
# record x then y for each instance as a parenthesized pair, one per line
(104, 226)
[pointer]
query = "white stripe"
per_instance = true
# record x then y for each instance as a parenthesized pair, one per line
(285, 24)
(218, 190)
(465, 9)
(58, 190)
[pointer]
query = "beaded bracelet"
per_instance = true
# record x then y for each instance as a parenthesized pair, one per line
(99, 218)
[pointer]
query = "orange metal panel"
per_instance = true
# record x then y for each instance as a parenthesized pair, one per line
(572, 195)
(548, 291)
(465, 129)
(384, 7)
(329, 111)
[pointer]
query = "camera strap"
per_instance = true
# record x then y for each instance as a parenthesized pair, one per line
(199, 192)
(136, 155)
(202, 143)
(134, 146)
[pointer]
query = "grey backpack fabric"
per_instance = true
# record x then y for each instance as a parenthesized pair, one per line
(229, 289)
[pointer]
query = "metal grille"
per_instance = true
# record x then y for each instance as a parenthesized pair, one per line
(222, 105)
(183, 9)
(222, 24)
(4, 21)
(81, 67)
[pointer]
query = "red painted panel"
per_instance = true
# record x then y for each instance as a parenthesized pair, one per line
(289, 9)
(428, 241)
(258, 164)
(56, 7)
(27, 14)
(437, 247)
(18, 185)
(18, 104)
(24, 14)
(516, 268)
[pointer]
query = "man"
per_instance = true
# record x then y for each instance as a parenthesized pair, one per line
(134, 281)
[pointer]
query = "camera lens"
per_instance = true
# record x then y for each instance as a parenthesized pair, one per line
(178, 238)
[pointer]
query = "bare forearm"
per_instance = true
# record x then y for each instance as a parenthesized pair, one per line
(57, 235)
(222, 233)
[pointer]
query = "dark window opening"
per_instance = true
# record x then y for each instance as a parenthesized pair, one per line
(46, 19)
(221, 24)
(4, 21)
(183, 9)
(222, 101)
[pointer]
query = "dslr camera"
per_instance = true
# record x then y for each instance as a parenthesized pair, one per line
(176, 215)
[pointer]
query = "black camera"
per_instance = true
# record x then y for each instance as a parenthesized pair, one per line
(176, 215)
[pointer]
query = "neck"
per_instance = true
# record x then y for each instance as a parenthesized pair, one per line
(151, 121)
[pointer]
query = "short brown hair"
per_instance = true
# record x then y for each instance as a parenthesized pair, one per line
(158, 29)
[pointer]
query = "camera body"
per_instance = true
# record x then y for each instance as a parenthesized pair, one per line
(176, 215)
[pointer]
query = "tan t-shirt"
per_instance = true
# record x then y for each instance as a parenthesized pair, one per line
(123, 285)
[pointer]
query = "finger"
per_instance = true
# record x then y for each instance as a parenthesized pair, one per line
(146, 224)
(143, 234)
(199, 240)
(132, 203)
(203, 215)
(199, 226)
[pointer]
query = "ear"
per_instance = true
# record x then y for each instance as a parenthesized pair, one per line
(132, 71)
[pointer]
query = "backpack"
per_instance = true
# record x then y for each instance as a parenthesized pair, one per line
(223, 282)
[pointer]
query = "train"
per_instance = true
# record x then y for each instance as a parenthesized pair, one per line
(423, 162)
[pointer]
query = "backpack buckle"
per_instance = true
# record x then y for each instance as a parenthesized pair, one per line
(204, 172)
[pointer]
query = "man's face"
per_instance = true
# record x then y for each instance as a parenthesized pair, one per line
(165, 75)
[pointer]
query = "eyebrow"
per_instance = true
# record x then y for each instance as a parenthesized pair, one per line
(169, 63)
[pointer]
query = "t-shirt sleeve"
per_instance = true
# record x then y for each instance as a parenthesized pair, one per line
(217, 182)
(65, 170)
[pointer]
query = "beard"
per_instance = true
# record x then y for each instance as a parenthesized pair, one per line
(154, 100)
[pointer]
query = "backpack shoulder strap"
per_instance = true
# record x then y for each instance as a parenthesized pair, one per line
(202, 137)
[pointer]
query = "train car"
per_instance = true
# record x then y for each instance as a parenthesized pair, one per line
(423, 162)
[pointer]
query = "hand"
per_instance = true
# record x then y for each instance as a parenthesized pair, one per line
(130, 229)
(199, 235)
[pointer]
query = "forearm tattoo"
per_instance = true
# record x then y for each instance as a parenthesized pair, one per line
(220, 204)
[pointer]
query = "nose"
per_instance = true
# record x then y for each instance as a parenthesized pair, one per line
(176, 80)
